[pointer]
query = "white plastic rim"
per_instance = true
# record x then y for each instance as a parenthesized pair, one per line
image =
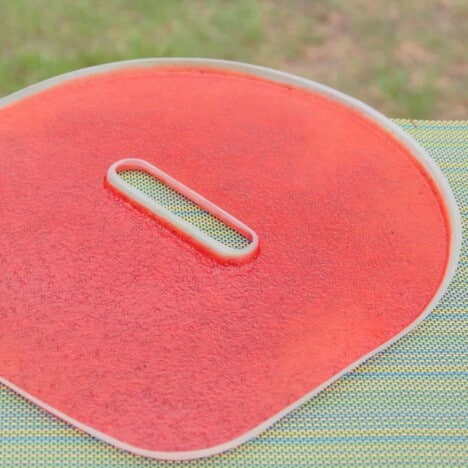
(217, 249)
(420, 155)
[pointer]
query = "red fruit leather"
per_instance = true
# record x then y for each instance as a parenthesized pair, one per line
(112, 321)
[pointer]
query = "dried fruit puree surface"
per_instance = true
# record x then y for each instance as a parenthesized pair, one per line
(115, 321)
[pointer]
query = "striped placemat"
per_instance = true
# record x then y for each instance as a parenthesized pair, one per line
(408, 405)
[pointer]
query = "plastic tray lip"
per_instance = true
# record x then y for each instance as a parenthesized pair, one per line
(217, 249)
(418, 152)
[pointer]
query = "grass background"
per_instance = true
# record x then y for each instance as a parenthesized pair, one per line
(405, 58)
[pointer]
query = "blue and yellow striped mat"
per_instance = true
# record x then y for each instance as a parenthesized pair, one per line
(406, 406)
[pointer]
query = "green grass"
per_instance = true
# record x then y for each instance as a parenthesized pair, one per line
(407, 59)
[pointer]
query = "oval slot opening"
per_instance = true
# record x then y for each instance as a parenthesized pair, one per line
(186, 212)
